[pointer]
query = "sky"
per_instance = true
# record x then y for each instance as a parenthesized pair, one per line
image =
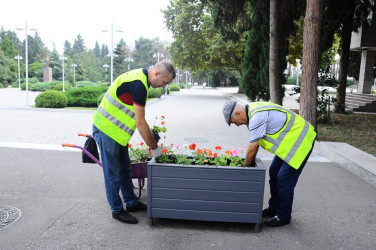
(57, 21)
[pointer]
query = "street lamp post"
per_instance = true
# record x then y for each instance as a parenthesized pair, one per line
(26, 62)
(186, 76)
(129, 60)
(158, 55)
(112, 49)
(74, 72)
(106, 66)
(62, 59)
(18, 57)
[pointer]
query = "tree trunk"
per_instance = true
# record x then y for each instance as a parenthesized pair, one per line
(274, 76)
(345, 60)
(310, 64)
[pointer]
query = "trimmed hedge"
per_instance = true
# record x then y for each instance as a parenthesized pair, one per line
(154, 93)
(85, 97)
(174, 87)
(59, 87)
(23, 86)
(51, 99)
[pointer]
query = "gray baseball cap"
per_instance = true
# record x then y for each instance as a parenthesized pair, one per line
(228, 108)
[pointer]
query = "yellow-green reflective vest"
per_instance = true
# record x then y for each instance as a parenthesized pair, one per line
(293, 141)
(115, 118)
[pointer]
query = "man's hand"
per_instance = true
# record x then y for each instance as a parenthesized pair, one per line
(156, 152)
(251, 154)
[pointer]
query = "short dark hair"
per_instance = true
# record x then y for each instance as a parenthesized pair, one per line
(166, 66)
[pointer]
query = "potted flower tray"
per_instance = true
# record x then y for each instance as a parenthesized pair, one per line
(207, 193)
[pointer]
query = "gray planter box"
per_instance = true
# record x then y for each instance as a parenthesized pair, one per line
(208, 193)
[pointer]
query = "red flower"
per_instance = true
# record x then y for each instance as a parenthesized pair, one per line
(165, 151)
(162, 116)
(142, 143)
(162, 122)
(218, 148)
(228, 152)
(192, 146)
(215, 154)
(129, 145)
(199, 151)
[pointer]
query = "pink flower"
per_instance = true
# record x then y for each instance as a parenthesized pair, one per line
(235, 152)
(176, 145)
(241, 149)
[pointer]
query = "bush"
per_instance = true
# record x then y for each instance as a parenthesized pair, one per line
(81, 84)
(100, 99)
(42, 86)
(1, 85)
(174, 87)
(154, 93)
(291, 80)
(85, 97)
(23, 86)
(51, 99)
(59, 87)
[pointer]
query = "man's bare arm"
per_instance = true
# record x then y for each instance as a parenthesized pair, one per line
(251, 154)
(143, 127)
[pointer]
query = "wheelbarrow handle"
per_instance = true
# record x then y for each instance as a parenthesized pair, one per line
(67, 145)
(84, 135)
(84, 150)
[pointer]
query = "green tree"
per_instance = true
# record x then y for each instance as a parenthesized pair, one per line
(119, 59)
(97, 50)
(68, 51)
(8, 47)
(7, 70)
(143, 53)
(255, 82)
(198, 44)
(79, 45)
(104, 51)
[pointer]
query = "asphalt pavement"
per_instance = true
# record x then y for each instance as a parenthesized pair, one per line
(62, 204)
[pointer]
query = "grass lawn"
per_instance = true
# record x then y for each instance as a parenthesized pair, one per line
(358, 130)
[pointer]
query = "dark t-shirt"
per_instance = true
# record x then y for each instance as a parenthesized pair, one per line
(133, 93)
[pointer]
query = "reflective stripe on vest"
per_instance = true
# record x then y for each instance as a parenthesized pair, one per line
(293, 142)
(115, 118)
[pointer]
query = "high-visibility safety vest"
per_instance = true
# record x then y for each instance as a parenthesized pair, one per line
(115, 118)
(293, 141)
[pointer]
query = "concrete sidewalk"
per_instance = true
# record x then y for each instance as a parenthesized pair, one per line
(63, 201)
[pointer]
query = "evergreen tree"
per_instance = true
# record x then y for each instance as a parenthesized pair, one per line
(68, 51)
(97, 50)
(143, 53)
(255, 82)
(8, 69)
(119, 58)
(8, 47)
(104, 51)
(78, 45)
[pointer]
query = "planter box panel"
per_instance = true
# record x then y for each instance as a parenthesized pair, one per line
(198, 205)
(205, 195)
(207, 173)
(220, 185)
(209, 193)
(206, 215)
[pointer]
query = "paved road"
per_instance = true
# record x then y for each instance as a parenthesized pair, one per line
(63, 201)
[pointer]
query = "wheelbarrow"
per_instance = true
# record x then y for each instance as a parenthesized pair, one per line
(139, 170)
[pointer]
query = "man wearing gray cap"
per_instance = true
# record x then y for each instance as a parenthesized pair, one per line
(288, 136)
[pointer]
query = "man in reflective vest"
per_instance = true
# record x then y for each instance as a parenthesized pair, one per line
(121, 111)
(288, 136)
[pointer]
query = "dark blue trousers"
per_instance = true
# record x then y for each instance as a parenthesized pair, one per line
(283, 179)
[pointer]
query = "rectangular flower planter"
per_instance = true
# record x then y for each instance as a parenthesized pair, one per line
(207, 193)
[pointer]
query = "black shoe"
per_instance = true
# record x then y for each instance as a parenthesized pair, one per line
(268, 213)
(139, 207)
(125, 217)
(276, 222)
